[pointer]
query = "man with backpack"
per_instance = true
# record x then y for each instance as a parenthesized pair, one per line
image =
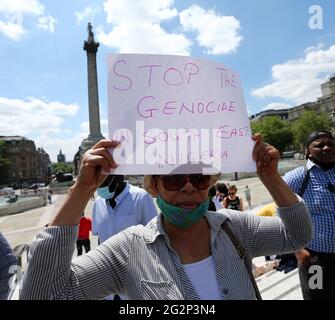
(315, 183)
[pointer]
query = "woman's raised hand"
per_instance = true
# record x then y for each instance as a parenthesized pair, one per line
(266, 157)
(94, 160)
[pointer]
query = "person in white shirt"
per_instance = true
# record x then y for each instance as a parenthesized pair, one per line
(120, 205)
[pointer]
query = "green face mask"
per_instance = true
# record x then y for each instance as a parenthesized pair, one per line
(182, 217)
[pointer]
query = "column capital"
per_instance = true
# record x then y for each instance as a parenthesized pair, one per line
(91, 47)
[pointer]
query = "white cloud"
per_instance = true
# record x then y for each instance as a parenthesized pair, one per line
(219, 34)
(68, 146)
(26, 6)
(277, 106)
(33, 116)
(41, 121)
(313, 48)
(13, 31)
(85, 126)
(47, 23)
(140, 30)
(12, 18)
(299, 80)
(87, 13)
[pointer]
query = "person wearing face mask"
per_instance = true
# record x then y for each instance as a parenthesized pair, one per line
(185, 253)
(315, 183)
(120, 205)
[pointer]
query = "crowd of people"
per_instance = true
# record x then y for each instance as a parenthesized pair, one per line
(197, 245)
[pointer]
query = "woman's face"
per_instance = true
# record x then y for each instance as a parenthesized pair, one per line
(232, 194)
(188, 196)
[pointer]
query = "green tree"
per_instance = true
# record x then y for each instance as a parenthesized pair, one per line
(274, 131)
(308, 122)
(65, 167)
(4, 163)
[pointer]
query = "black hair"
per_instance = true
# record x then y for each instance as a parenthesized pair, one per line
(317, 135)
(212, 192)
(221, 187)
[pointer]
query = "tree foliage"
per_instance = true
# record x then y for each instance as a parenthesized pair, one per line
(274, 131)
(308, 122)
(62, 166)
(4, 162)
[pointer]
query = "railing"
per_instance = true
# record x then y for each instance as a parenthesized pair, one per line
(17, 271)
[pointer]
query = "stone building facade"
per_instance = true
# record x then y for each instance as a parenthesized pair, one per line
(326, 104)
(27, 164)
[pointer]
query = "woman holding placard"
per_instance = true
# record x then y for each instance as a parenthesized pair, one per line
(184, 253)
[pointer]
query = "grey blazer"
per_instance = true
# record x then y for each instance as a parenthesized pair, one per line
(140, 263)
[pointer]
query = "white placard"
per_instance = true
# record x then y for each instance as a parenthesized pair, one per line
(175, 112)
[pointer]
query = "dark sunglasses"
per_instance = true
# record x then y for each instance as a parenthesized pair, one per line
(175, 182)
(231, 193)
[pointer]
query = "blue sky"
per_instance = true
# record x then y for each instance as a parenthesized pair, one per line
(43, 82)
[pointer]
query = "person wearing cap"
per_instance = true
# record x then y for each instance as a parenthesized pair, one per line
(315, 182)
(185, 253)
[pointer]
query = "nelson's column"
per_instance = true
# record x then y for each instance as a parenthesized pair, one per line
(91, 48)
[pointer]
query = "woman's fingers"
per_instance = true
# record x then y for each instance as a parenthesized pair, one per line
(263, 153)
(100, 149)
(271, 155)
(104, 153)
(94, 161)
(104, 143)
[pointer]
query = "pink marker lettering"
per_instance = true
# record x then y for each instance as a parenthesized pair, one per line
(148, 139)
(243, 131)
(233, 133)
(232, 106)
(144, 111)
(183, 106)
(200, 107)
(163, 136)
(150, 71)
(222, 133)
(207, 107)
(176, 72)
(233, 81)
(122, 76)
(166, 108)
(221, 71)
(227, 80)
(194, 69)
